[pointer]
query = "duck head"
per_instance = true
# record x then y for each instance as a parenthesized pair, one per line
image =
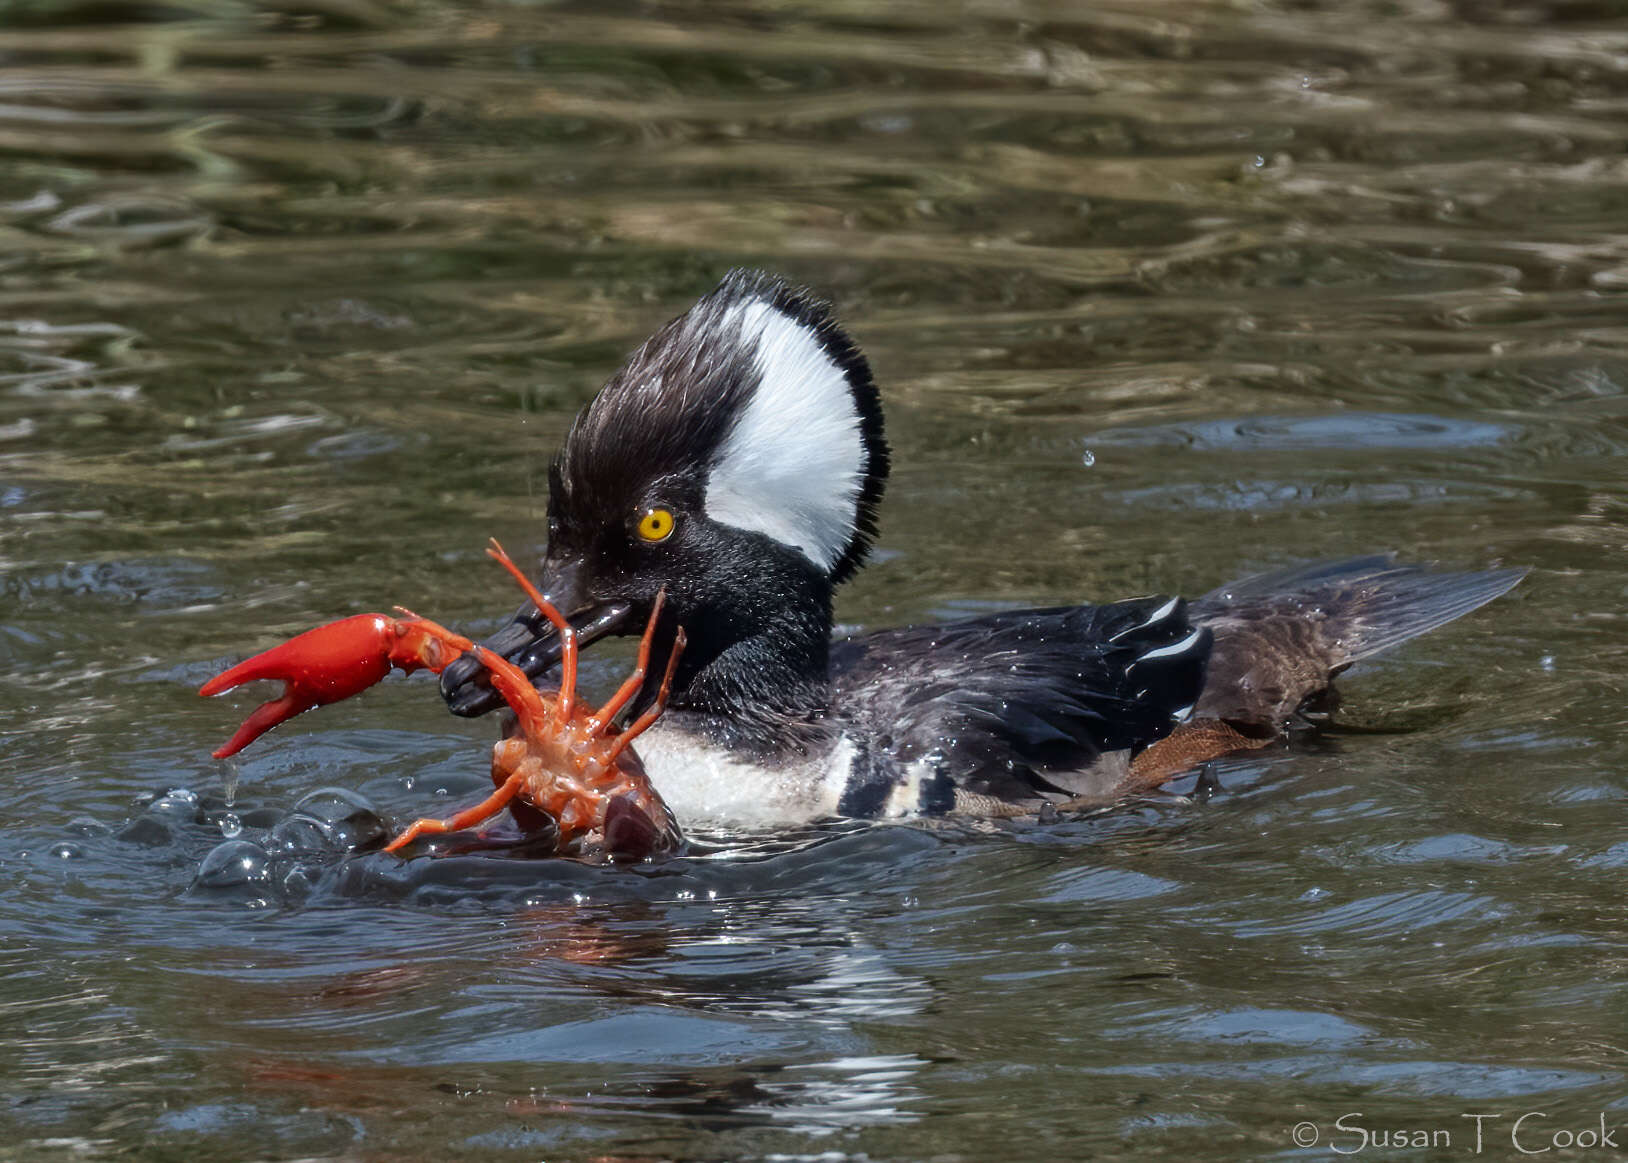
(735, 461)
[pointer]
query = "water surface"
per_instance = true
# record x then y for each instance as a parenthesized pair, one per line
(295, 302)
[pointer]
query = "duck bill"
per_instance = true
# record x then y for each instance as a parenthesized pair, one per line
(531, 643)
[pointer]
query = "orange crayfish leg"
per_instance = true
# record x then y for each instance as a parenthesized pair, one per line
(468, 818)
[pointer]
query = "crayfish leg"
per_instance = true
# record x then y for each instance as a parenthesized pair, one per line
(468, 818)
(600, 719)
(643, 722)
(511, 682)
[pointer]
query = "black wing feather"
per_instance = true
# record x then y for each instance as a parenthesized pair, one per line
(1013, 705)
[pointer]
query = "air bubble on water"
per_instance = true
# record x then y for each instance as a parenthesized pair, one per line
(299, 881)
(332, 804)
(179, 801)
(230, 826)
(1088, 458)
(1259, 162)
(330, 819)
(1547, 662)
(65, 851)
(234, 864)
(578, 898)
(302, 833)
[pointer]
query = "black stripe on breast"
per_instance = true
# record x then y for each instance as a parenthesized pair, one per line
(937, 793)
(869, 784)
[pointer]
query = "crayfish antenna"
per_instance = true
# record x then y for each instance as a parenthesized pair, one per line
(568, 636)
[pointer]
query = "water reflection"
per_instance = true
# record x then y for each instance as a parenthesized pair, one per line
(1355, 432)
(292, 301)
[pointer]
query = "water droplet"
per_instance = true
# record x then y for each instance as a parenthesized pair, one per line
(1259, 161)
(1088, 458)
(230, 826)
(1547, 662)
(230, 774)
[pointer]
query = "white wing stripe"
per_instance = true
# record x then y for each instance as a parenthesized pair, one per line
(1174, 649)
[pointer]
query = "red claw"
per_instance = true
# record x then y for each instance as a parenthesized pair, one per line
(319, 667)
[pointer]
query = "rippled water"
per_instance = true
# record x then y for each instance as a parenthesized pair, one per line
(295, 300)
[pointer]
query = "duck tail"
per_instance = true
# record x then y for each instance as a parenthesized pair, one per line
(1280, 638)
(1365, 604)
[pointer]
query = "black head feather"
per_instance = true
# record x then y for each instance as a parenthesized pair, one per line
(667, 414)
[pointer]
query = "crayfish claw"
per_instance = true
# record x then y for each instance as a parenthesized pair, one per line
(266, 716)
(318, 667)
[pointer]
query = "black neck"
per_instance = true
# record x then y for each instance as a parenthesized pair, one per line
(755, 668)
(765, 692)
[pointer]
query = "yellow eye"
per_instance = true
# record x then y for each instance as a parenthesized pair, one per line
(656, 525)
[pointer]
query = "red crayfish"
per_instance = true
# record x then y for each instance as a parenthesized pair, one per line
(564, 761)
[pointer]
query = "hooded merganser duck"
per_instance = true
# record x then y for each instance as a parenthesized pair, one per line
(736, 461)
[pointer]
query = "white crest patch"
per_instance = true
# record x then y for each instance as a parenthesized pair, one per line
(793, 466)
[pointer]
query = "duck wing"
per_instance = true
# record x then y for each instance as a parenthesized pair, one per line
(1016, 705)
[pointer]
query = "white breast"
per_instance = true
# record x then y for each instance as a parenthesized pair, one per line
(708, 786)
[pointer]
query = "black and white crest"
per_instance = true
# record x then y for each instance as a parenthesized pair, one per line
(756, 395)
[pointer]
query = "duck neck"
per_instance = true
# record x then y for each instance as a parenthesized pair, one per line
(760, 686)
